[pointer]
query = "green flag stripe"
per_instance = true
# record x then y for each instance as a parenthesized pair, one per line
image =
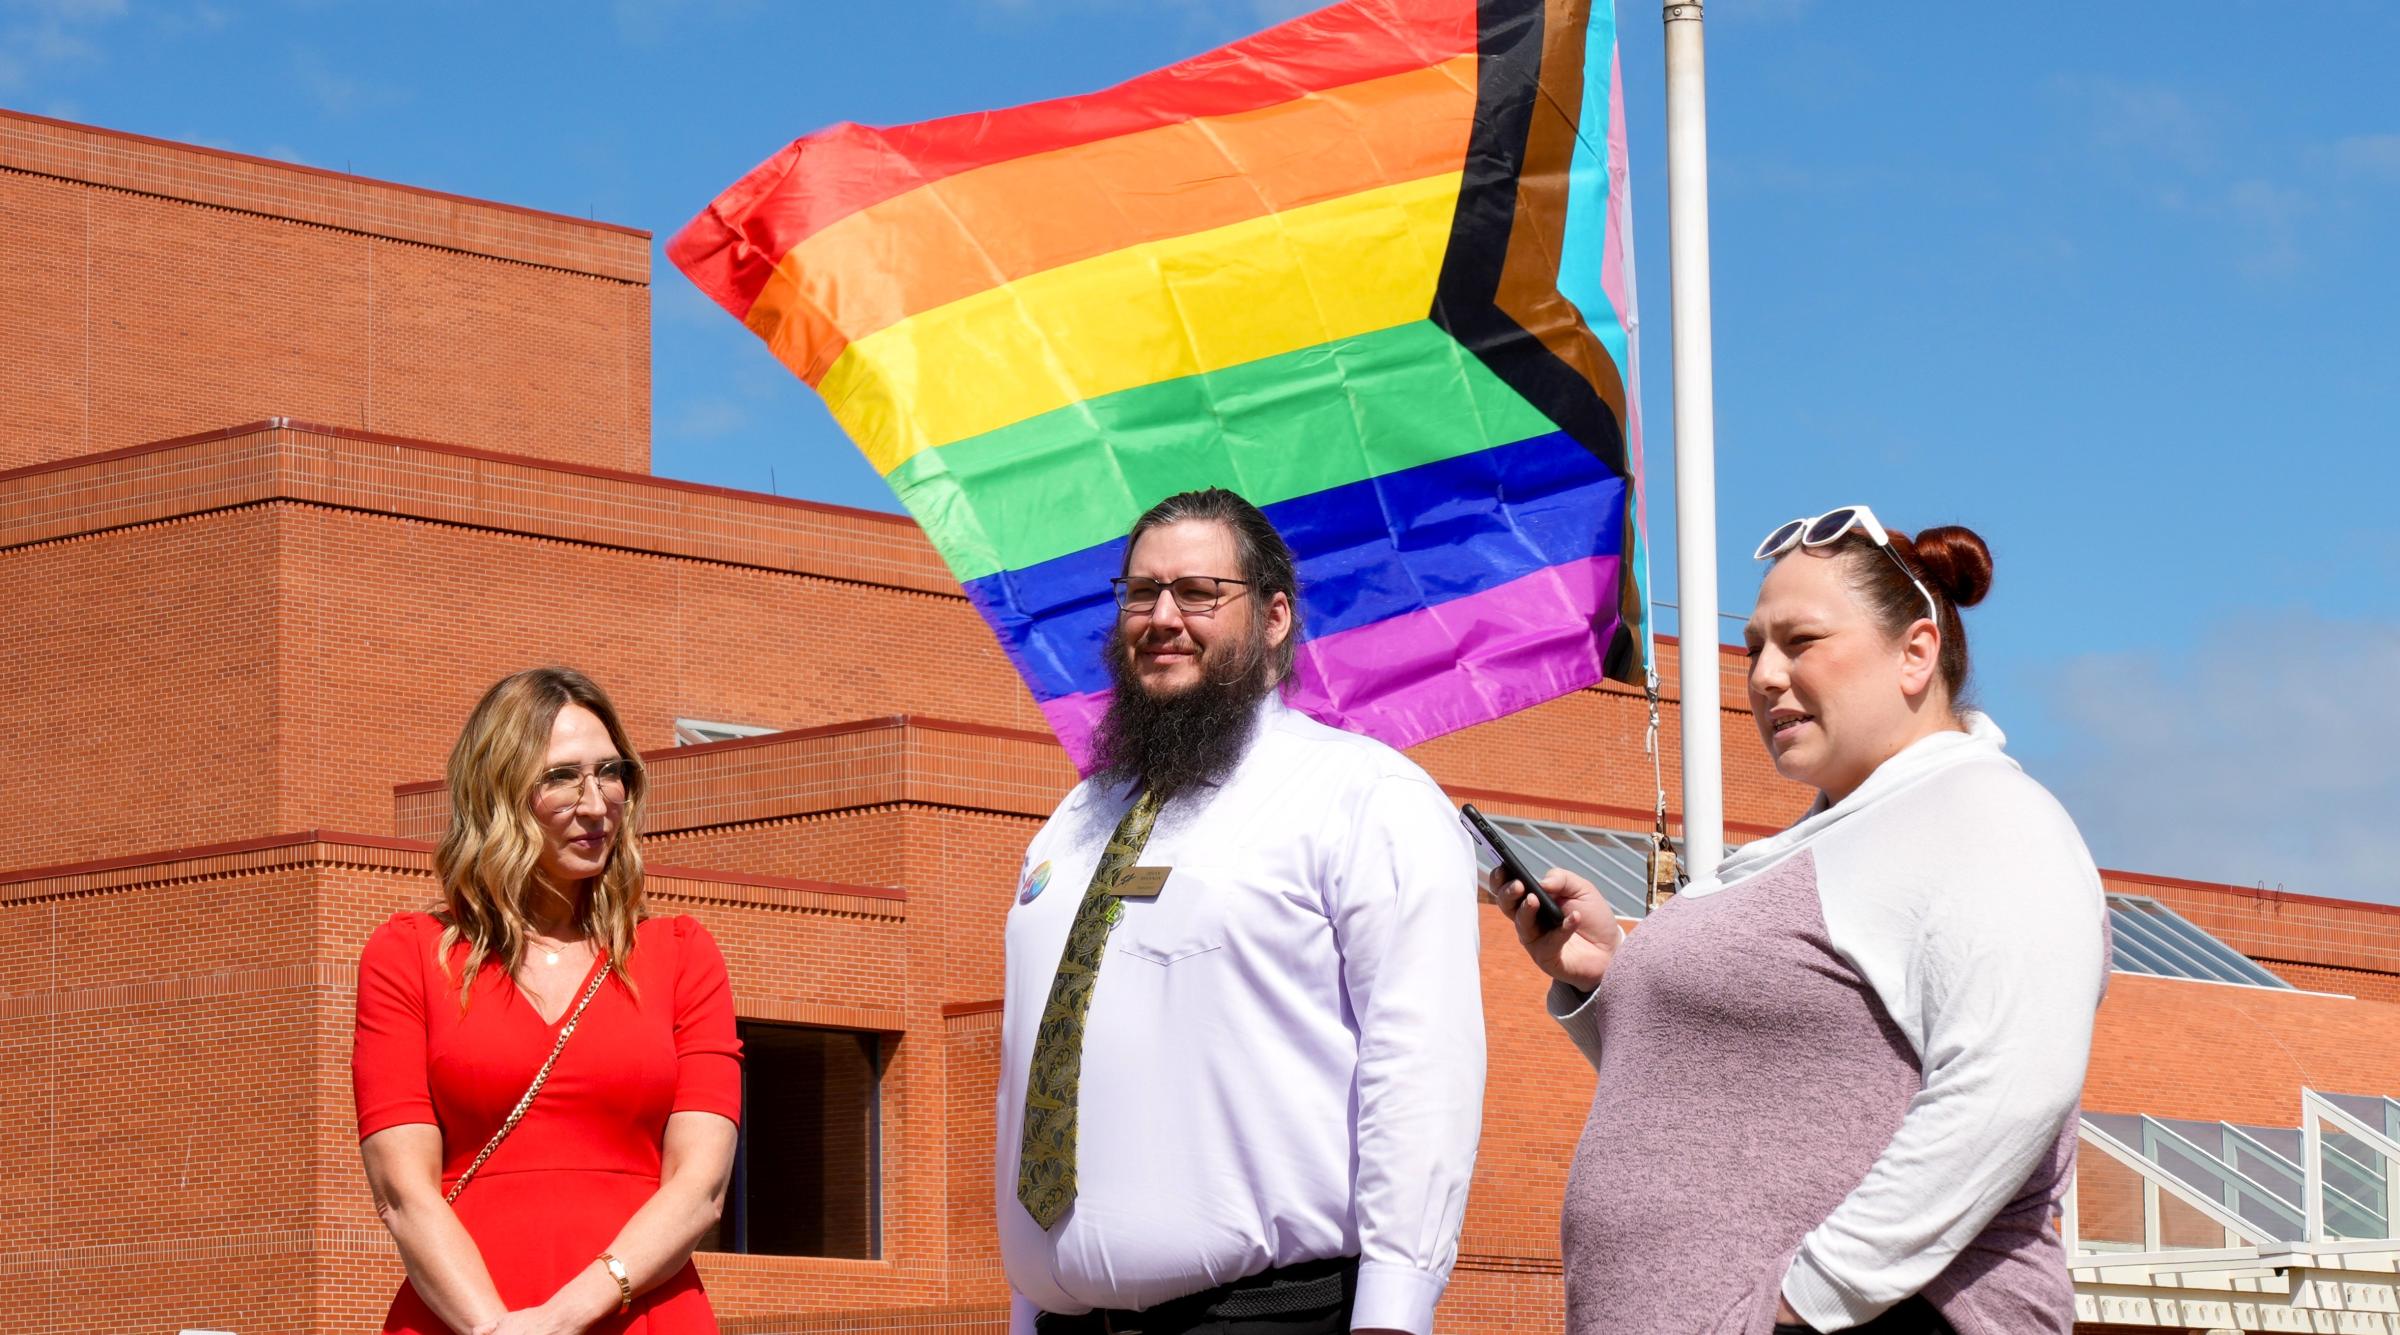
(1280, 427)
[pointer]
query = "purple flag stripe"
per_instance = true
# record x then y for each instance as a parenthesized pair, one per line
(1424, 673)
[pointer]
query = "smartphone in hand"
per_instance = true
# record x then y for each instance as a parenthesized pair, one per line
(1512, 865)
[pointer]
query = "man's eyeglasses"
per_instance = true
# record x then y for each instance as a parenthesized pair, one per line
(563, 786)
(1827, 528)
(1194, 595)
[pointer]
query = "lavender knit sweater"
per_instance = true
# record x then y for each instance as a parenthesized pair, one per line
(1846, 1070)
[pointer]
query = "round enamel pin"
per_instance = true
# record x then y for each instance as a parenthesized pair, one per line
(1037, 879)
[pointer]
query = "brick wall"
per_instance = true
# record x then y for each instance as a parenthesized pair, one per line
(2326, 945)
(971, 1036)
(163, 1085)
(150, 289)
(2365, 984)
(138, 689)
(863, 845)
(2215, 1052)
(291, 662)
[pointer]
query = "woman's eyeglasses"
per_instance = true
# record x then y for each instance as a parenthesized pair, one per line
(1828, 528)
(563, 786)
(1194, 595)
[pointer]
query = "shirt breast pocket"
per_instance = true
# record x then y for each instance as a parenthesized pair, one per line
(1184, 922)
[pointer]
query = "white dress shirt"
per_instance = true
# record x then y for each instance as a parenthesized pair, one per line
(1283, 1057)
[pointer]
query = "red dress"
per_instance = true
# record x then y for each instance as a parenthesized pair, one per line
(586, 1155)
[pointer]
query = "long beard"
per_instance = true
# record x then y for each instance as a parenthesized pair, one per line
(1173, 743)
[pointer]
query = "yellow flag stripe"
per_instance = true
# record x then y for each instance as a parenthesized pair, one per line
(1159, 311)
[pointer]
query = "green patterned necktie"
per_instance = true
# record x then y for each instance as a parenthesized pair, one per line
(1046, 1156)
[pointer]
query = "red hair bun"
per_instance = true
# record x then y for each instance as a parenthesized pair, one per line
(1955, 561)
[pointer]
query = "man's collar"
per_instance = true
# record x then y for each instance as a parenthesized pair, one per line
(1271, 705)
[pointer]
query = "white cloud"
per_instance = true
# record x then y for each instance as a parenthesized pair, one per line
(2370, 157)
(199, 18)
(338, 93)
(42, 40)
(2270, 215)
(2171, 149)
(45, 41)
(68, 11)
(1215, 20)
(2269, 755)
(2266, 219)
(647, 23)
(1758, 11)
(45, 48)
(2148, 120)
(1951, 184)
(707, 419)
(1276, 11)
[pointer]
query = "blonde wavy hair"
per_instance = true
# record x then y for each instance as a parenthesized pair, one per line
(489, 859)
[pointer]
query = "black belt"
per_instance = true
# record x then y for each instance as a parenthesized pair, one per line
(1305, 1286)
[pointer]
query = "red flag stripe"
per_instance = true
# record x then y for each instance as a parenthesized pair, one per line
(731, 249)
(1012, 220)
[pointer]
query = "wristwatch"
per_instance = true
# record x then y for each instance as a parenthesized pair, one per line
(616, 1271)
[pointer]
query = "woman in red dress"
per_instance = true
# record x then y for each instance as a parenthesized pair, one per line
(584, 1213)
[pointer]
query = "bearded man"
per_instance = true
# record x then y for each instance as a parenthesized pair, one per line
(1241, 1066)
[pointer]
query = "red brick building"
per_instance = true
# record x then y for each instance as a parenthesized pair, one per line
(293, 465)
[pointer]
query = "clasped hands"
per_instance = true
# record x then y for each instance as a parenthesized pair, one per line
(543, 1320)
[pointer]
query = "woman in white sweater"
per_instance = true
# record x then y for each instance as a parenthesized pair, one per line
(1838, 1080)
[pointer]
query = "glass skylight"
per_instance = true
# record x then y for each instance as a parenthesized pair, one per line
(2147, 936)
(2151, 938)
(1614, 860)
(700, 732)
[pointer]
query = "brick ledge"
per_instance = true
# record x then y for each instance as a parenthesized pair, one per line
(333, 847)
(280, 460)
(92, 155)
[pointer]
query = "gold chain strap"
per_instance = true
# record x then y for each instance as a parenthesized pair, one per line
(536, 1087)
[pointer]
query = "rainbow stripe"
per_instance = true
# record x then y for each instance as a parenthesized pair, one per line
(1369, 268)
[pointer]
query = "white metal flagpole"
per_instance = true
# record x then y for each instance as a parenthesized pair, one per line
(1695, 443)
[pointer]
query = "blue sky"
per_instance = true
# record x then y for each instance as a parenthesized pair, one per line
(2116, 288)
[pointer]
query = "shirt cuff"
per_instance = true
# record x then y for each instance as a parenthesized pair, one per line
(1578, 1012)
(1823, 1301)
(1395, 1297)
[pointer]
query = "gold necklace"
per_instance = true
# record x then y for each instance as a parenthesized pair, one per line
(550, 953)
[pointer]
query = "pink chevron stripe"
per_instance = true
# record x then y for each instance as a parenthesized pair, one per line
(1616, 276)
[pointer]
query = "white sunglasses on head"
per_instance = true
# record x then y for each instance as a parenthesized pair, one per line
(1828, 528)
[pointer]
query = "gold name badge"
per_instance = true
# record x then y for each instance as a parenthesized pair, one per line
(1141, 882)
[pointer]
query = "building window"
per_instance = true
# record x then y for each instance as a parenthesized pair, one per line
(699, 731)
(807, 1168)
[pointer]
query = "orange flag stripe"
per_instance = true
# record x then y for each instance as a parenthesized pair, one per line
(974, 231)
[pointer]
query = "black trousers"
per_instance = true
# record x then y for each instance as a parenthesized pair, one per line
(1310, 1298)
(1913, 1317)
(1324, 1323)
